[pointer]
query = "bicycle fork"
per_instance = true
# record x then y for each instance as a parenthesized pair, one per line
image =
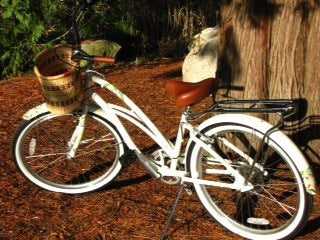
(76, 137)
(77, 134)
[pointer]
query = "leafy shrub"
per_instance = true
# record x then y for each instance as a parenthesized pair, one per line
(140, 27)
(24, 31)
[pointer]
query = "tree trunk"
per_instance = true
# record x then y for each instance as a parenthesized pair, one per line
(272, 49)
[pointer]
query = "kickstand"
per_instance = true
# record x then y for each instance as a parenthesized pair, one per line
(164, 234)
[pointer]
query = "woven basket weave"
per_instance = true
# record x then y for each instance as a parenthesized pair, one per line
(57, 73)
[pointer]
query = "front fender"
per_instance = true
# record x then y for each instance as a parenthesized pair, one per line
(42, 108)
(34, 112)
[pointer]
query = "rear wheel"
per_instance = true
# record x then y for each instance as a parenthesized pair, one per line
(40, 150)
(277, 207)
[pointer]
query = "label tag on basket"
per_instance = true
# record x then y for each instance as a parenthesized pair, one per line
(67, 74)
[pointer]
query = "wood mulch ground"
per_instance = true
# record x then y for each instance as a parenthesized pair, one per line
(134, 206)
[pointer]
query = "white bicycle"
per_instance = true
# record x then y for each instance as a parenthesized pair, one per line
(248, 175)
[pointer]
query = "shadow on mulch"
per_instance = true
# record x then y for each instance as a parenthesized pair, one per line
(134, 206)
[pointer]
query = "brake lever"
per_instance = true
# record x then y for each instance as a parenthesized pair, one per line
(81, 55)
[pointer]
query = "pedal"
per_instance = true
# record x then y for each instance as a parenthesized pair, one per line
(128, 158)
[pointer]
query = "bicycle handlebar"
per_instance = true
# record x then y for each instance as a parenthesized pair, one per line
(81, 55)
(78, 53)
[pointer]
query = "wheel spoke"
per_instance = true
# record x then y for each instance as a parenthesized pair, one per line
(41, 152)
(277, 193)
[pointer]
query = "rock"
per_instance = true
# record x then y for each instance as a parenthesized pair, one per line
(201, 62)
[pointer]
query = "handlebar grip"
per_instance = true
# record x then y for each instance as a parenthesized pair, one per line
(107, 60)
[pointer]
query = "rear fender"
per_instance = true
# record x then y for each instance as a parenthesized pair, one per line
(301, 163)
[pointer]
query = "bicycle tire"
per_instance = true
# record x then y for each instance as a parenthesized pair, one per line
(40, 153)
(269, 210)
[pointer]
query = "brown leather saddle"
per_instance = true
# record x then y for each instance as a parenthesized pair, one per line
(187, 93)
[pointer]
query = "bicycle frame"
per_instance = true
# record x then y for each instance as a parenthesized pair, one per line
(136, 116)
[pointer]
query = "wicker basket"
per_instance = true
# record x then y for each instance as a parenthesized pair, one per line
(57, 73)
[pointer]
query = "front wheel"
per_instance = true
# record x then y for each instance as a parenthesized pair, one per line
(40, 151)
(277, 207)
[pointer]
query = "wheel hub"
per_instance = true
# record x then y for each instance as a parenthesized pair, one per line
(256, 177)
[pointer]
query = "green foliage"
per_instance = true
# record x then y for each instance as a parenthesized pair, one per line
(24, 32)
(140, 27)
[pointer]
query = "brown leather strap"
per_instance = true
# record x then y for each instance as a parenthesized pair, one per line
(187, 94)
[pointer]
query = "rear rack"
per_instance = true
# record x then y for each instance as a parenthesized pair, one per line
(285, 108)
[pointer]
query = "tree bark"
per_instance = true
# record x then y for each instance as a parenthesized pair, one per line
(272, 49)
